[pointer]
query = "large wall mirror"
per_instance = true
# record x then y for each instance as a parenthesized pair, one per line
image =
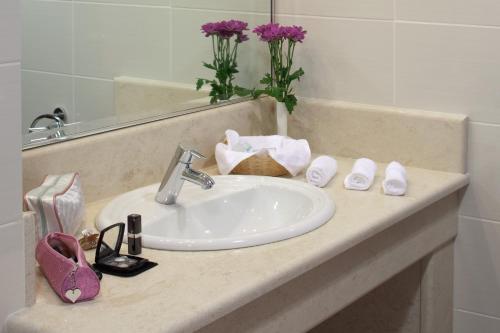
(90, 66)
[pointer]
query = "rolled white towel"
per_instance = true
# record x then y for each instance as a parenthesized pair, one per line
(361, 176)
(395, 182)
(321, 171)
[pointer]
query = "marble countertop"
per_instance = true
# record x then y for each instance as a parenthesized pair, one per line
(189, 290)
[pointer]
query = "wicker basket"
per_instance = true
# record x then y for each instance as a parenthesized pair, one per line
(259, 165)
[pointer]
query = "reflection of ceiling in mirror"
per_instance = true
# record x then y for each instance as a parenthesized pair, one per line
(111, 65)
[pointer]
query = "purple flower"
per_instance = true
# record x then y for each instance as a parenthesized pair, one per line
(226, 29)
(209, 29)
(235, 26)
(294, 33)
(273, 31)
(240, 38)
(268, 32)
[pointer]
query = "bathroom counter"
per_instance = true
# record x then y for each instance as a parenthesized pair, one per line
(190, 290)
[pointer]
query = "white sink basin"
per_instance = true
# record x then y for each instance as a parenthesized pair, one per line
(239, 211)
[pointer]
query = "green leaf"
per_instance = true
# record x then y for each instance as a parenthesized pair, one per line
(257, 92)
(216, 89)
(213, 100)
(242, 92)
(209, 66)
(276, 92)
(283, 71)
(290, 102)
(221, 75)
(267, 79)
(296, 75)
(199, 83)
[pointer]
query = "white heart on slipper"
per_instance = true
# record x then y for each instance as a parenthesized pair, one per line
(73, 295)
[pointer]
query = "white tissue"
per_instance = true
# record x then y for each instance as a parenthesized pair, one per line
(361, 176)
(321, 171)
(395, 182)
(293, 155)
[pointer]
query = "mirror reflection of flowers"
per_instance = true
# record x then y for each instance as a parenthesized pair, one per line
(281, 41)
(226, 36)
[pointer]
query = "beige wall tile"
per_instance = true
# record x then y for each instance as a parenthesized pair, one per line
(10, 31)
(93, 99)
(345, 59)
(380, 9)
(113, 40)
(10, 142)
(260, 6)
(30, 242)
(43, 92)
(133, 2)
(11, 230)
(477, 267)
(449, 69)
(482, 198)
(12, 277)
(47, 36)
(467, 322)
(481, 12)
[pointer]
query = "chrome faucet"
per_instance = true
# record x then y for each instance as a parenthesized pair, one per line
(58, 118)
(179, 171)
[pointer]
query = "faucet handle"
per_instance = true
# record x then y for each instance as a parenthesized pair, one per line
(186, 155)
(197, 154)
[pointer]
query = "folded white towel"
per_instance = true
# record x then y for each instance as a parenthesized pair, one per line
(361, 176)
(321, 170)
(34, 204)
(64, 203)
(293, 155)
(58, 204)
(395, 182)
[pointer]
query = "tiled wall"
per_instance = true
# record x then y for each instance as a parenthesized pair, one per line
(441, 55)
(72, 50)
(11, 229)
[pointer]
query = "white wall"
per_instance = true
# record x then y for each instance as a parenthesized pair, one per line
(72, 50)
(441, 55)
(11, 228)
